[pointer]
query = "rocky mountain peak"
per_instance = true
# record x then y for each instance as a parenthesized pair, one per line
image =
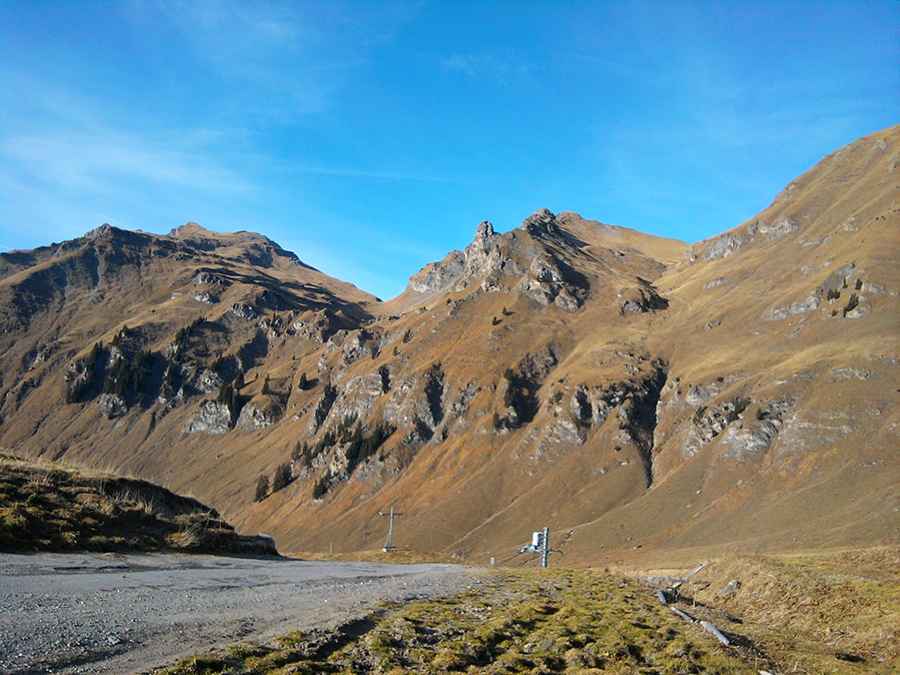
(104, 231)
(541, 222)
(191, 229)
(484, 232)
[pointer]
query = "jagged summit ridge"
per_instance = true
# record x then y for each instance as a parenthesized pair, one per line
(526, 259)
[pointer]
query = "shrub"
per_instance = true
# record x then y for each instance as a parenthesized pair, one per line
(282, 477)
(320, 488)
(300, 450)
(262, 489)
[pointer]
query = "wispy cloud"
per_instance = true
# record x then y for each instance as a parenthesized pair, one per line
(285, 60)
(381, 175)
(94, 160)
(503, 69)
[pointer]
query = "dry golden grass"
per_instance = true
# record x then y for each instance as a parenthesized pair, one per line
(48, 506)
(817, 612)
(811, 611)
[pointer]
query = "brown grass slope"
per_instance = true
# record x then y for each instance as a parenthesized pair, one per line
(622, 389)
(46, 506)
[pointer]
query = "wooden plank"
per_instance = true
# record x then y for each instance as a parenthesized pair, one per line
(710, 628)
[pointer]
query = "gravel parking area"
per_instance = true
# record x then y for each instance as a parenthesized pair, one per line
(130, 613)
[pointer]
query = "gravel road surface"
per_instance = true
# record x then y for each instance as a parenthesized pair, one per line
(117, 613)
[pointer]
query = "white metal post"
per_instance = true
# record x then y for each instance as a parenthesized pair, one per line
(545, 548)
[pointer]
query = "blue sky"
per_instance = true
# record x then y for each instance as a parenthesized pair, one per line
(372, 137)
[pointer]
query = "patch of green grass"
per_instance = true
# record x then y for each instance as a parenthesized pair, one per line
(514, 622)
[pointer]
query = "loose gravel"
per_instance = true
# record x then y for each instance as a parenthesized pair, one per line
(105, 613)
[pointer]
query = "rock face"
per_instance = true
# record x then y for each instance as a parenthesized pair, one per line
(780, 228)
(112, 405)
(547, 281)
(709, 422)
(643, 298)
(212, 418)
(519, 389)
(259, 413)
(210, 381)
(439, 276)
(751, 441)
(244, 311)
(804, 306)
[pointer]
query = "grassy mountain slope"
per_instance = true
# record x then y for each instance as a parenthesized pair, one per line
(623, 389)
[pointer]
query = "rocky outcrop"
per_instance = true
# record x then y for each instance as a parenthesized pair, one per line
(319, 326)
(212, 418)
(206, 298)
(804, 432)
(260, 412)
(209, 381)
(112, 405)
(805, 306)
(731, 242)
(779, 228)
(637, 414)
(642, 298)
(434, 396)
(483, 257)
(724, 245)
(359, 344)
(636, 403)
(244, 311)
(751, 440)
(710, 421)
(549, 280)
(836, 282)
(210, 278)
(529, 264)
(519, 388)
(439, 276)
(83, 376)
(358, 396)
(341, 452)
(850, 373)
(417, 403)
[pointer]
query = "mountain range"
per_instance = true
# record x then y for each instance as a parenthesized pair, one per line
(627, 391)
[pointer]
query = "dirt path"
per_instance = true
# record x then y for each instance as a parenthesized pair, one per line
(126, 613)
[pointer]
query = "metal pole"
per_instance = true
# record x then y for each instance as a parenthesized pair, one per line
(545, 548)
(389, 542)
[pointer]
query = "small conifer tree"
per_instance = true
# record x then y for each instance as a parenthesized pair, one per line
(262, 489)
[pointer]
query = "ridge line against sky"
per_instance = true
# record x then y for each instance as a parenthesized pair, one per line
(371, 138)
